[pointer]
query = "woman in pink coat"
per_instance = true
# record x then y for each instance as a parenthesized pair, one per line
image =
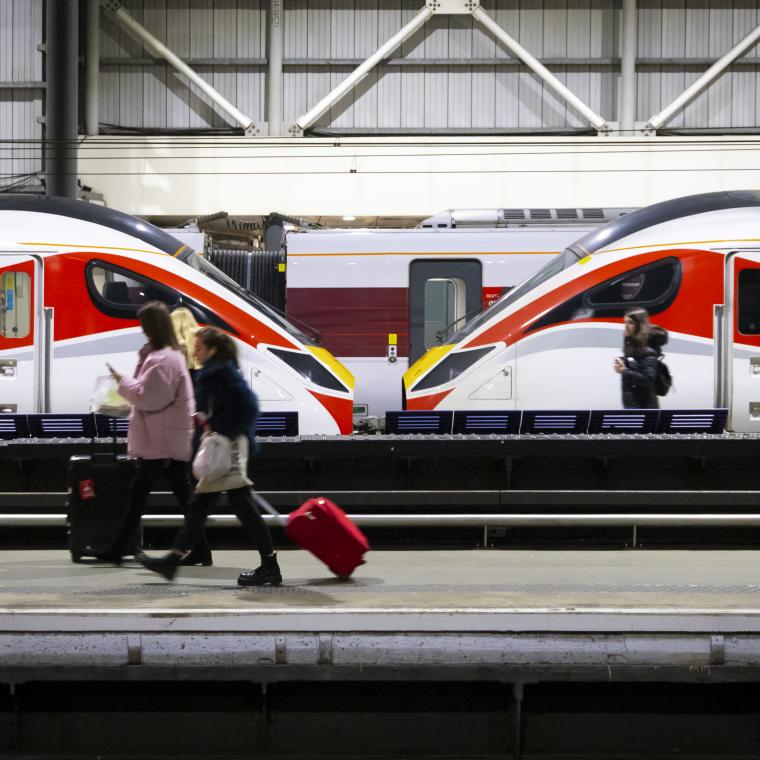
(160, 429)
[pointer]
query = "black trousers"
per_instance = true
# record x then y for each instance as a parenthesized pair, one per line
(147, 473)
(241, 501)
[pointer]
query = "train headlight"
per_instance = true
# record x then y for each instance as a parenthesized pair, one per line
(310, 369)
(451, 367)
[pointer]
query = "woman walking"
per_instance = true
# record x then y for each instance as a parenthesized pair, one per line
(226, 405)
(638, 365)
(160, 430)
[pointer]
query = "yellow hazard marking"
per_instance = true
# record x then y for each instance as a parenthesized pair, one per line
(425, 362)
(338, 369)
(281, 267)
(392, 339)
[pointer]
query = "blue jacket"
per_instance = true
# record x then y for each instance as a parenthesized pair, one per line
(221, 388)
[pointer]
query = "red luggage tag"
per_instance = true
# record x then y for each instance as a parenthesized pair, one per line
(86, 489)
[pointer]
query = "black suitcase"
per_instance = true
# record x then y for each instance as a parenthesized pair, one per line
(97, 497)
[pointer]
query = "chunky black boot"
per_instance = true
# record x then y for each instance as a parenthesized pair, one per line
(268, 573)
(103, 554)
(196, 558)
(166, 565)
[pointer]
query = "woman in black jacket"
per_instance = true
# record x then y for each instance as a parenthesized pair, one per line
(637, 366)
(228, 406)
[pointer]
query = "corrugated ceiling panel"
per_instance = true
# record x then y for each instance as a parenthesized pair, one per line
(433, 96)
(559, 35)
(483, 97)
(507, 100)
(460, 97)
(389, 93)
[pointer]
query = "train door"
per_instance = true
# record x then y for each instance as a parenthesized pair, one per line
(23, 345)
(442, 296)
(741, 370)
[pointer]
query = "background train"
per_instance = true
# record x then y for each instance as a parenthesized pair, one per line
(380, 298)
(693, 263)
(73, 276)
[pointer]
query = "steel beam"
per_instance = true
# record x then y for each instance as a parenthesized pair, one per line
(596, 121)
(627, 120)
(61, 106)
(664, 116)
(306, 120)
(274, 70)
(131, 26)
(92, 69)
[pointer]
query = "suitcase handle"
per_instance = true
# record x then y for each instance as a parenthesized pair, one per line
(267, 507)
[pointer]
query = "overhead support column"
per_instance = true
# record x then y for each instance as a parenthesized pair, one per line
(596, 121)
(92, 69)
(62, 97)
(139, 32)
(628, 85)
(305, 121)
(274, 71)
(662, 118)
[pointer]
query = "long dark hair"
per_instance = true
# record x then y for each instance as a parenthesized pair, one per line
(157, 325)
(639, 339)
(226, 350)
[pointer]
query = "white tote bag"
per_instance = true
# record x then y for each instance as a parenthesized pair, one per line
(221, 463)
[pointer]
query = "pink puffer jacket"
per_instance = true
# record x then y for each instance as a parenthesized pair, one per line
(163, 404)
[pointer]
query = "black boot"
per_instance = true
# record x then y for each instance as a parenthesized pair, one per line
(103, 554)
(268, 573)
(166, 565)
(197, 558)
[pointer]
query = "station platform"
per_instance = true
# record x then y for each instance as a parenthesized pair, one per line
(517, 616)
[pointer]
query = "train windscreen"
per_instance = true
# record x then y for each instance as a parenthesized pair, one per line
(559, 263)
(200, 264)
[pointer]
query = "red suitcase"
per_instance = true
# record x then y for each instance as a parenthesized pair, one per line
(322, 528)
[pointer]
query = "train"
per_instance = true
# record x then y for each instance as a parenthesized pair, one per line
(550, 343)
(380, 298)
(73, 276)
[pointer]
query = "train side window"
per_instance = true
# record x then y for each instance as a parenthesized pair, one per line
(445, 308)
(647, 287)
(120, 293)
(748, 315)
(15, 305)
(652, 287)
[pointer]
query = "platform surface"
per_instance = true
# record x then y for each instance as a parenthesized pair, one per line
(444, 591)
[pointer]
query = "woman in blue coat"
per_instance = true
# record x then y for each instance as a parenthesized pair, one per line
(226, 405)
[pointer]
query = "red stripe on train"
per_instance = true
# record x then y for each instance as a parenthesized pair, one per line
(354, 321)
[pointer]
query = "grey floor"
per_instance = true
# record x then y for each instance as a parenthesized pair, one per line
(721, 581)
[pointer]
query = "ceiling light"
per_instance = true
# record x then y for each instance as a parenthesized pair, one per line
(349, 218)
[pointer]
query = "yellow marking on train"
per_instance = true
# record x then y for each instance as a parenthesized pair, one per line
(337, 367)
(179, 250)
(685, 242)
(100, 247)
(392, 339)
(431, 253)
(424, 363)
(585, 260)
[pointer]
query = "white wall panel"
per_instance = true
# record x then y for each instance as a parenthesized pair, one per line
(414, 176)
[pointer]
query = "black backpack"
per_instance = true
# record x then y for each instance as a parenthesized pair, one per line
(663, 380)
